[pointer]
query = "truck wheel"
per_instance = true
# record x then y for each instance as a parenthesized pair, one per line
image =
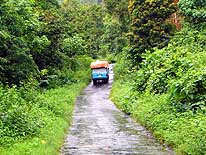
(107, 80)
(94, 82)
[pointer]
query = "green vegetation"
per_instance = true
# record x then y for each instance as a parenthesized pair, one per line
(36, 124)
(40, 37)
(44, 63)
(167, 91)
(45, 51)
(183, 131)
(34, 121)
(195, 11)
(148, 26)
(46, 48)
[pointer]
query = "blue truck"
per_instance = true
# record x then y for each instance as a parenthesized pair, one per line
(100, 72)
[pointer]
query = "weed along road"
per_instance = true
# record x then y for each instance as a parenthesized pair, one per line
(99, 128)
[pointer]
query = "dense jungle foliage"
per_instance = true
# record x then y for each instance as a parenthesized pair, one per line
(166, 91)
(149, 28)
(46, 47)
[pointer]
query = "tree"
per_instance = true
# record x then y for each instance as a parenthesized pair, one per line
(73, 46)
(113, 39)
(119, 9)
(194, 10)
(30, 36)
(18, 27)
(148, 25)
(86, 21)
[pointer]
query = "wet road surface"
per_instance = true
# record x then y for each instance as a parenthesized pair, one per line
(99, 128)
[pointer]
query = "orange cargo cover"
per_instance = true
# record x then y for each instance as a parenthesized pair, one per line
(99, 64)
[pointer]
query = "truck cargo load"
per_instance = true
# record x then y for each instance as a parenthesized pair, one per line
(99, 64)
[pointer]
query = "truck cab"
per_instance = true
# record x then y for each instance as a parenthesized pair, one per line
(100, 72)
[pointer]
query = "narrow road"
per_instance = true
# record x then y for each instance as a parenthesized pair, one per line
(99, 128)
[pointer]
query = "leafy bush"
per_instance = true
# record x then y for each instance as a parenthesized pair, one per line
(195, 11)
(20, 118)
(183, 130)
(190, 89)
(68, 75)
(25, 111)
(46, 116)
(73, 46)
(167, 92)
(153, 72)
(178, 68)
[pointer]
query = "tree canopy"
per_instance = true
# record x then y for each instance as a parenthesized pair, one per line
(148, 25)
(194, 10)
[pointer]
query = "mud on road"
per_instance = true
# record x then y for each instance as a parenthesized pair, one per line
(99, 128)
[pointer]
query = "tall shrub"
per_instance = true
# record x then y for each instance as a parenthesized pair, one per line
(19, 26)
(148, 25)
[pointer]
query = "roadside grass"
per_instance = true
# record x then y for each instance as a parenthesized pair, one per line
(184, 131)
(56, 112)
